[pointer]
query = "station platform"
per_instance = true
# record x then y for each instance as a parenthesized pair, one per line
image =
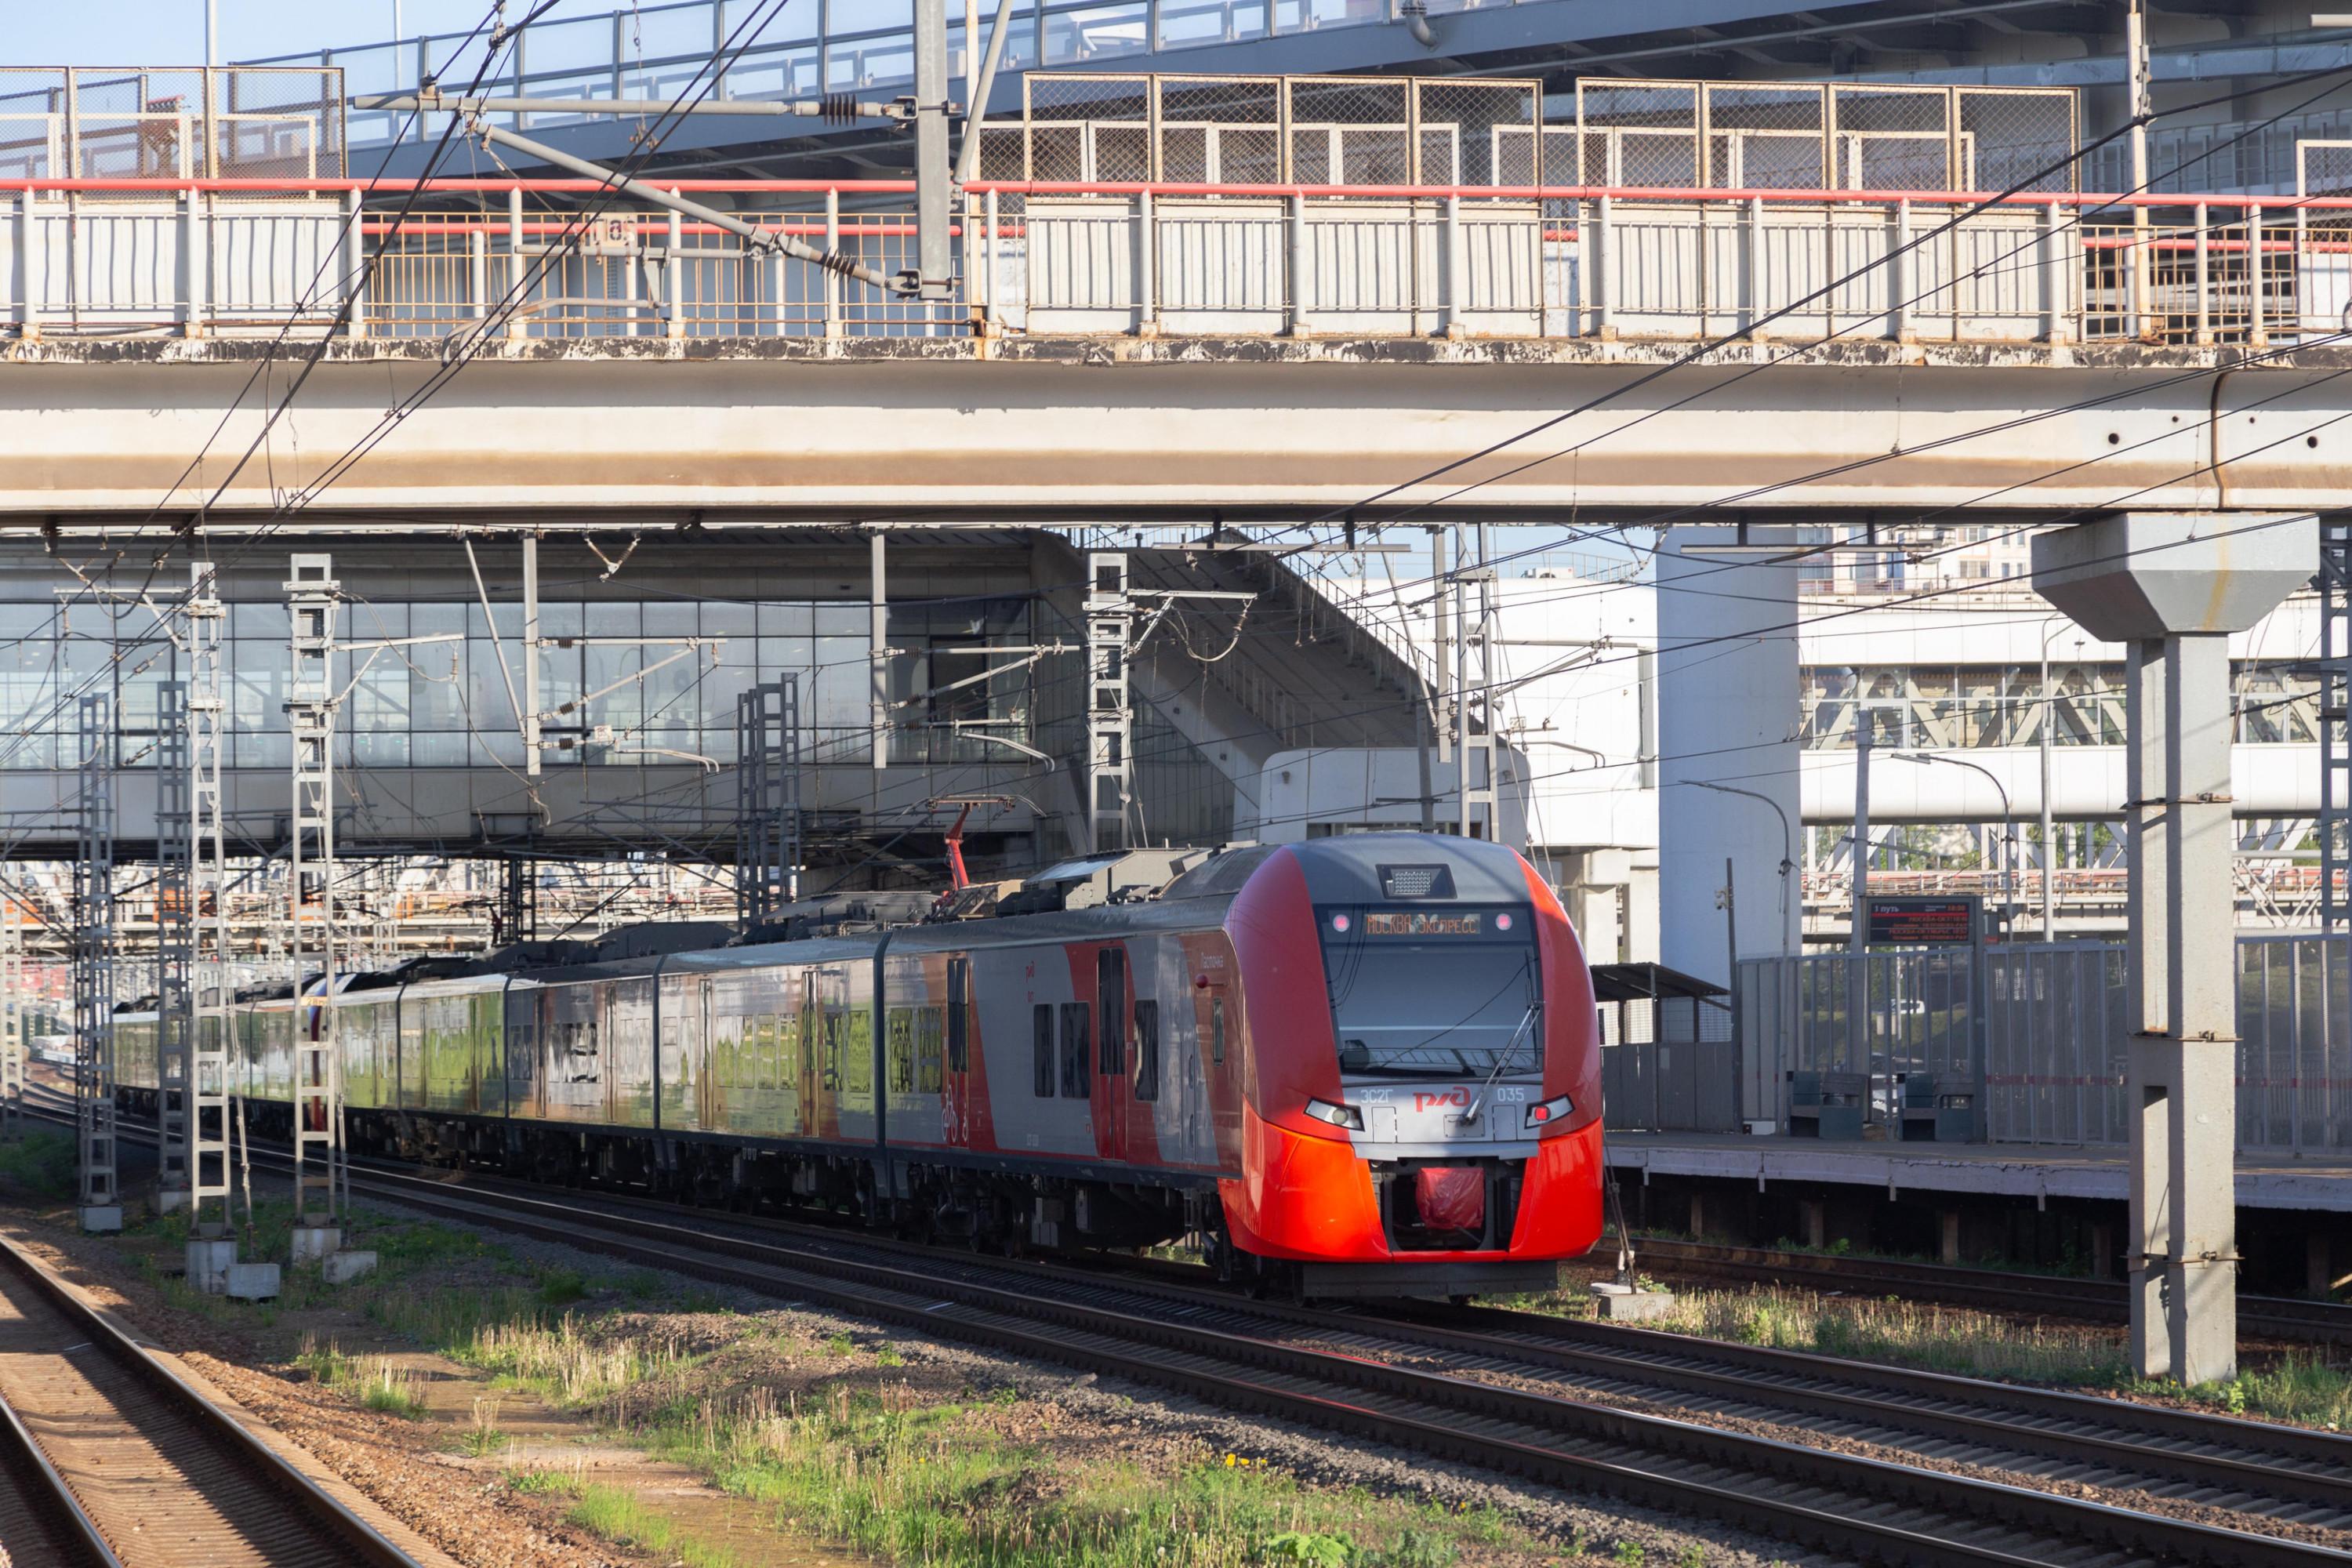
(2038, 1170)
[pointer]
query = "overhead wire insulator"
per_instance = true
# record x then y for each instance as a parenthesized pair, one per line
(838, 108)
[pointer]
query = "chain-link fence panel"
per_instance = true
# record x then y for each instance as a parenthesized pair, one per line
(2324, 265)
(1765, 137)
(1476, 132)
(2020, 137)
(138, 125)
(1638, 134)
(1891, 139)
(271, 123)
(1220, 131)
(1089, 127)
(1351, 130)
(98, 123)
(32, 124)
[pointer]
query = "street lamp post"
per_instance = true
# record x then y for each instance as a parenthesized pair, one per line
(2008, 818)
(2042, 731)
(1789, 937)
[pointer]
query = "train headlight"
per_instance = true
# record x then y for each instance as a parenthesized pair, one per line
(1549, 1112)
(1346, 1116)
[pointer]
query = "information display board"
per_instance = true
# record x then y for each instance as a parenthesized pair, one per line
(1909, 921)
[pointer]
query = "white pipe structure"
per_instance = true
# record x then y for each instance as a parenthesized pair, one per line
(2086, 785)
(765, 238)
(968, 155)
(741, 107)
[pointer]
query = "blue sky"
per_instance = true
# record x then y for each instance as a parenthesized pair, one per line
(171, 32)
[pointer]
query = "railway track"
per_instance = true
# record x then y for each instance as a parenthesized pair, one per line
(2098, 1300)
(1544, 1400)
(113, 1459)
(1948, 1469)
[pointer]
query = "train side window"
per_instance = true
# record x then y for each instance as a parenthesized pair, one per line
(1077, 1083)
(958, 1012)
(1147, 1050)
(1041, 1045)
(1217, 1029)
(1110, 996)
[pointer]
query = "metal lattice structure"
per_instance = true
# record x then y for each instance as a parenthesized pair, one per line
(175, 936)
(312, 596)
(11, 1024)
(1473, 684)
(209, 986)
(1111, 714)
(519, 899)
(94, 966)
(767, 800)
(2334, 725)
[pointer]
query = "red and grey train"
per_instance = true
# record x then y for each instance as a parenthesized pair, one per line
(1363, 1065)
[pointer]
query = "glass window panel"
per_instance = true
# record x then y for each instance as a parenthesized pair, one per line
(796, 618)
(264, 620)
(614, 621)
(507, 618)
(423, 618)
(835, 618)
(568, 620)
(437, 749)
(727, 620)
(18, 620)
(786, 656)
(624, 706)
(670, 618)
(486, 690)
(434, 687)
(372, 620)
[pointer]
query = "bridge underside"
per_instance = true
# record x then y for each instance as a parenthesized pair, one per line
(1104, 429)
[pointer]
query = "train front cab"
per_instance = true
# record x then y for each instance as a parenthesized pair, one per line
(1422, 1108)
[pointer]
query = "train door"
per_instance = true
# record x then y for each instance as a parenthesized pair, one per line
(1113, 1101)
(807, 1016)
(964, 1097)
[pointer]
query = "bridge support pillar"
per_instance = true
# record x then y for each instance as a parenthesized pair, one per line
(1727, 684)
(2172, 586)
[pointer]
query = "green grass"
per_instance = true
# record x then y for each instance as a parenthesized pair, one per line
(39, 1163)
(375, 1382)
(616, 1514)
(924, 1485)
(2296, 1387)
(1902, 1334)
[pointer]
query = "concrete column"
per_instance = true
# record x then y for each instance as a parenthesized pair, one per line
(1947, 1235)
(2173, 586)
(1813, 1221)
(2320, 1263)
(1728, 705)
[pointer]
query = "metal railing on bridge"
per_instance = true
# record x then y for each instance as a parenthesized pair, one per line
(2044, 1039)
(193, 256)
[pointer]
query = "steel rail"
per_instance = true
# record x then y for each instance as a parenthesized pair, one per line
(2103, 1301)
(2265, 1469)
(2258, 1462)
(342, 1535)
(2285, 1465)
(46, 1496)
(1882, 1508)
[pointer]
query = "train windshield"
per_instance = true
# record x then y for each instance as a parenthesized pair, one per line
(1451, 991)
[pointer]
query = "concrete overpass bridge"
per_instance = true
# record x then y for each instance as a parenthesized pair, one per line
(1288, 364)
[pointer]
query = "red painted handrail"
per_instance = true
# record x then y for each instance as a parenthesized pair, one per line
(470, 185)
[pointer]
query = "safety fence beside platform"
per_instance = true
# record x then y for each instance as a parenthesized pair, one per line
(2036, 1049)
(513, 260)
